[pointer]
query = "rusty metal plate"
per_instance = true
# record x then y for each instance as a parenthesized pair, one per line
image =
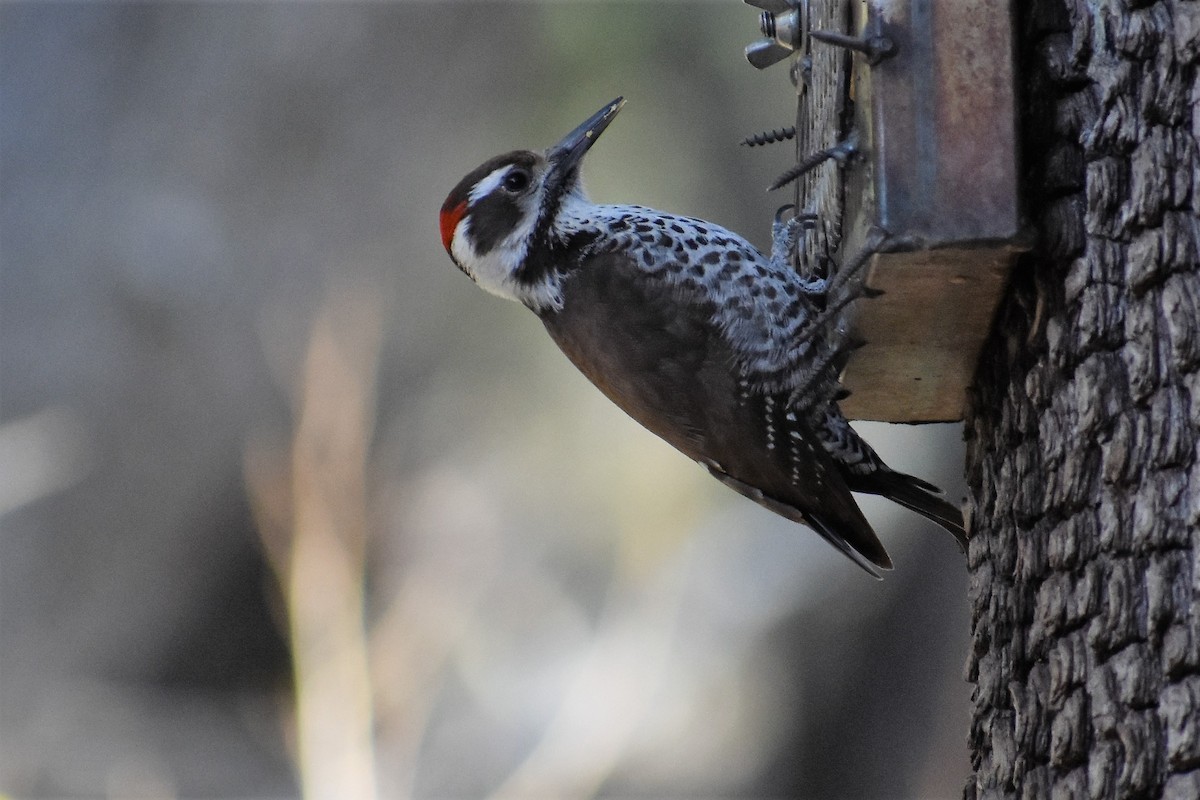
(940, 175)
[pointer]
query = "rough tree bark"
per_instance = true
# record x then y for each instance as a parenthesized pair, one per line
(1083, 445)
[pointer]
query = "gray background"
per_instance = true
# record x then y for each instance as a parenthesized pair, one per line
(184, 190)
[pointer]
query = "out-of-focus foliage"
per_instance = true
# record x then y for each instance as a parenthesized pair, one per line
(245, 399)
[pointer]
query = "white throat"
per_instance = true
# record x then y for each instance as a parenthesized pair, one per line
(495, 270)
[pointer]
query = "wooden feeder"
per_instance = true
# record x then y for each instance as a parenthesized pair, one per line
(930, 104)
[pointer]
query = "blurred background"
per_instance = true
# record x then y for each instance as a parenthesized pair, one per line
(288, 505)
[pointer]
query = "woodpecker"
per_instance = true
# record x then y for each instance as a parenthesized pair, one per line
(726, 353)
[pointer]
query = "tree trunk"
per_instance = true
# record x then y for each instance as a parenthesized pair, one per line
(1083, 456)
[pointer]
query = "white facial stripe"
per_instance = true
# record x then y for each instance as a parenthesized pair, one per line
(488, 184)
(494, 271)
(460, 248)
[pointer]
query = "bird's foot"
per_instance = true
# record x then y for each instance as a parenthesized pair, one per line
(785, 236)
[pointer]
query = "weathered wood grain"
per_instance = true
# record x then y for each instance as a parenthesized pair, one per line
(1084, 426)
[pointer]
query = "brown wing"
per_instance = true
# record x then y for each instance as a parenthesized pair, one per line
(654, 351)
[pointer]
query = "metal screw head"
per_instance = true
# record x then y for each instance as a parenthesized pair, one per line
(785, 25)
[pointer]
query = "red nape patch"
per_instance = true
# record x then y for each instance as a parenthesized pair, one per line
(449, 220)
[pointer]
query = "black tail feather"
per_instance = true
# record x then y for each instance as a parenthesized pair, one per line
(872, 561)
(852, 534)
(919, 496)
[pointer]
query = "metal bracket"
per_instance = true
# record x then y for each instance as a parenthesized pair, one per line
(785, 25)
(938, 120)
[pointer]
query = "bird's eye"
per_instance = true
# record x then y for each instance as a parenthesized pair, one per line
(516, 181)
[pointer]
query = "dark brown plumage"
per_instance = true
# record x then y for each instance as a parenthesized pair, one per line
(727, 354)
(672, 372)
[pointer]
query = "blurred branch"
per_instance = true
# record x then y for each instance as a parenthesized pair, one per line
(311, 505)
(41, 454)
(627, 663)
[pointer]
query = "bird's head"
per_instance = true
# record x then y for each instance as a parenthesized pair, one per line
(498, 223)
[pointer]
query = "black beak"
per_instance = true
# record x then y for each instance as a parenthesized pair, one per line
(567, 154)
